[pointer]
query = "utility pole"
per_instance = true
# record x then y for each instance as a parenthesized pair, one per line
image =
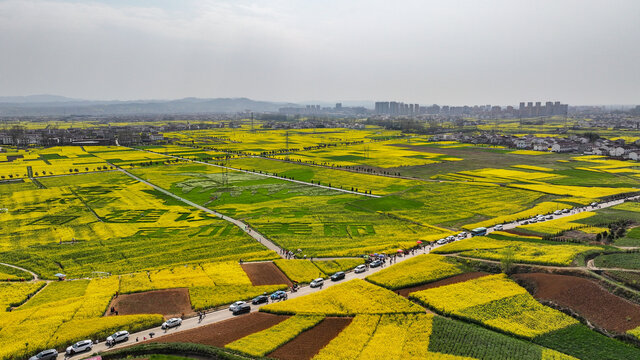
(287, 139)
(252, 121)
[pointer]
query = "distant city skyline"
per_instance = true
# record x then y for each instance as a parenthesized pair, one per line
(443, 52)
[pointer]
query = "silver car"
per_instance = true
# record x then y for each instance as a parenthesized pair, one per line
(317, 282)
(80, 346)
(236, 305)
(120, 336)
(173, 322)
(360, 269)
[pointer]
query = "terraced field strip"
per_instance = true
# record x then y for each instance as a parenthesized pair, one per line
(265, 175)
(244, 227)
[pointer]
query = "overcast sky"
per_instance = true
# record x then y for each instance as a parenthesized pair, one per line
(446, 52)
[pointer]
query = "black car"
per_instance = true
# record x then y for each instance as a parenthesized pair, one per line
(242, 309)
(260, 299)
(337, 276)
(375, 263)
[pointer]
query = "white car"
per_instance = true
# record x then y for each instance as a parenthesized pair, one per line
(557, 212)
(548, 217)
(236, 305)
(173, 322)
(80, 346)
(498, 228)
(317, 282)
(360, 269)
(450, 238)
(441, 242)
(120, 336)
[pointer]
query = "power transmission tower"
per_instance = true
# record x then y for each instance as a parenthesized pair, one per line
(286, 134)
(251, 121)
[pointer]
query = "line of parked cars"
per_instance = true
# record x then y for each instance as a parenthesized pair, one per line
(452, 238)
(540, 217)
(83, 346)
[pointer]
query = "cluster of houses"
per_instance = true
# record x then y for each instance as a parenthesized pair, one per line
(570, 143)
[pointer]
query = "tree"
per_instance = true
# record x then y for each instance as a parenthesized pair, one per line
(506, 263)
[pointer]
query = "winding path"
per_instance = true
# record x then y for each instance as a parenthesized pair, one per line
(35, 276)
(244, 227)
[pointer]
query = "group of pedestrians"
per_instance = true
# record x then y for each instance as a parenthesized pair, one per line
(287, 253)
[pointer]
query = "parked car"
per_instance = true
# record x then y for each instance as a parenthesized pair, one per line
(464, 234)
(375, 263)
(557, 212)
(441, 242)
(235, 305)
(360, 269)
(80, 346)
(260, 299)
(566, 211)
(337, 276)
(117, 337)
(533, 221)
(280, 294)
(450, 238)
(50, 354)
(242, 309)
(498, 227)
(548, 217)
(318, 282)
(526, 222)
(173, 322)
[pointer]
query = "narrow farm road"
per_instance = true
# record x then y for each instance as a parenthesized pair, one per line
(224, 314)
(263, 174)
(35, 276)
(244, 227)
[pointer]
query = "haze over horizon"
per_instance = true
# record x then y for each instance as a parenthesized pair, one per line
(447, 52)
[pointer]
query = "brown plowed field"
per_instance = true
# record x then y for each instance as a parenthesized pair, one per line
(265, 273)
(448, 281)
(223, 332)
(169, 302)
(586, 298)
(310, 342)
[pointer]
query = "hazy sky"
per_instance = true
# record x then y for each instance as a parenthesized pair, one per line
(446, 52)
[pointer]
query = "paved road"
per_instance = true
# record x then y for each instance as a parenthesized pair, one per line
(224, 314)
(263, 174)
(573, 211)
(244, 227)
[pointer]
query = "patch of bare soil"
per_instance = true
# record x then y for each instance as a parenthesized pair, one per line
(265, 273)
(586, 298)
(227, 331)
(448, 281)
(306, 345)
(168, 302)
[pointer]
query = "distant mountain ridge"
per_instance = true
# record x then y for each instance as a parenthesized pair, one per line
(53, 105)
